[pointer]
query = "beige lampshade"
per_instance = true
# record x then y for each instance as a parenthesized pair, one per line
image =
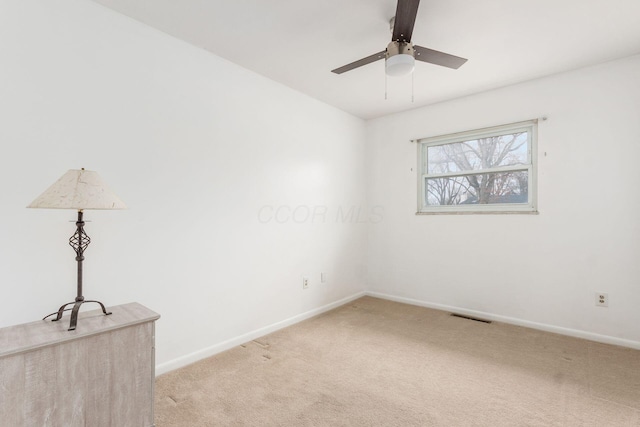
(78, 189)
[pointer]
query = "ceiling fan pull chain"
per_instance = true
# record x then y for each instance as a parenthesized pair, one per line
(385, 86)
(412, 86)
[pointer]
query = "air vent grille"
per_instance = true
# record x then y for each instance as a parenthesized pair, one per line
(462, 316)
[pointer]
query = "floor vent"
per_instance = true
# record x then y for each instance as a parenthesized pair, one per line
(462, 316)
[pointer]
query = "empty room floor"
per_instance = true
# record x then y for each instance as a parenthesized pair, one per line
(379, 363)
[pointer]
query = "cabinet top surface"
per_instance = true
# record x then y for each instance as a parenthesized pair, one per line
(30, 336)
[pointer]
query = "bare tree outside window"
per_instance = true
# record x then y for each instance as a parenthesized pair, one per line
(491, 169)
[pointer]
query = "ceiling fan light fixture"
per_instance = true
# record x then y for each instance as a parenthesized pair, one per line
(400, 65)
(399, 59)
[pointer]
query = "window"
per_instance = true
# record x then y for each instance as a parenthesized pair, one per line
(487, 170)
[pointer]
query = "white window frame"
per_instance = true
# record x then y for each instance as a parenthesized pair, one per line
(531, 127)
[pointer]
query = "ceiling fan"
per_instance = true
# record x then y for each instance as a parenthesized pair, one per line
(400, 54)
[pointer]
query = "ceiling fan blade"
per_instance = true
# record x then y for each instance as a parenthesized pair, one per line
(439, 58)
(405, 20)
(360, 62)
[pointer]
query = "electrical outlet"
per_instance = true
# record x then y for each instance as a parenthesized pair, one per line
(305, 282)
(602, 299)
(323, 277)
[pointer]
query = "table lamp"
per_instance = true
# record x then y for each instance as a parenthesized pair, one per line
(78, 190)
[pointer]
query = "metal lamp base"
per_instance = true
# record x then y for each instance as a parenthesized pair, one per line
(79, 242)
(74, 312)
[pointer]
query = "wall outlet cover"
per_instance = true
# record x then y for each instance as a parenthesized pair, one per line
(602, 299)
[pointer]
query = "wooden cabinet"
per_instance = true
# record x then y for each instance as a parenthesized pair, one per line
(101, 374)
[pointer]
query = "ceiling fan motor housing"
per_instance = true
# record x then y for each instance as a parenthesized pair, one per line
(399, 58)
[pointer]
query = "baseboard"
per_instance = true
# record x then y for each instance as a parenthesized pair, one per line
(606, 339)
(234, 342)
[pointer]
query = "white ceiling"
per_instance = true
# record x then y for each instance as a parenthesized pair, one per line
(297, 42)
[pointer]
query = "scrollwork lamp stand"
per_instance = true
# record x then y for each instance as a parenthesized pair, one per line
(79, 242)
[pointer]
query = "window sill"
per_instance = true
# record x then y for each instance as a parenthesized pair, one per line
(480, 213)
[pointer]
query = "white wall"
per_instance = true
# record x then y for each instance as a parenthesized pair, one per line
(539, 270)
(195, 146)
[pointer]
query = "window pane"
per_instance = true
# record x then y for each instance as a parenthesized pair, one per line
(479, 154)
(489, 188)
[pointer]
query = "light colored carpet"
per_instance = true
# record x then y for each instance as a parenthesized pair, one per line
(380, 363)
